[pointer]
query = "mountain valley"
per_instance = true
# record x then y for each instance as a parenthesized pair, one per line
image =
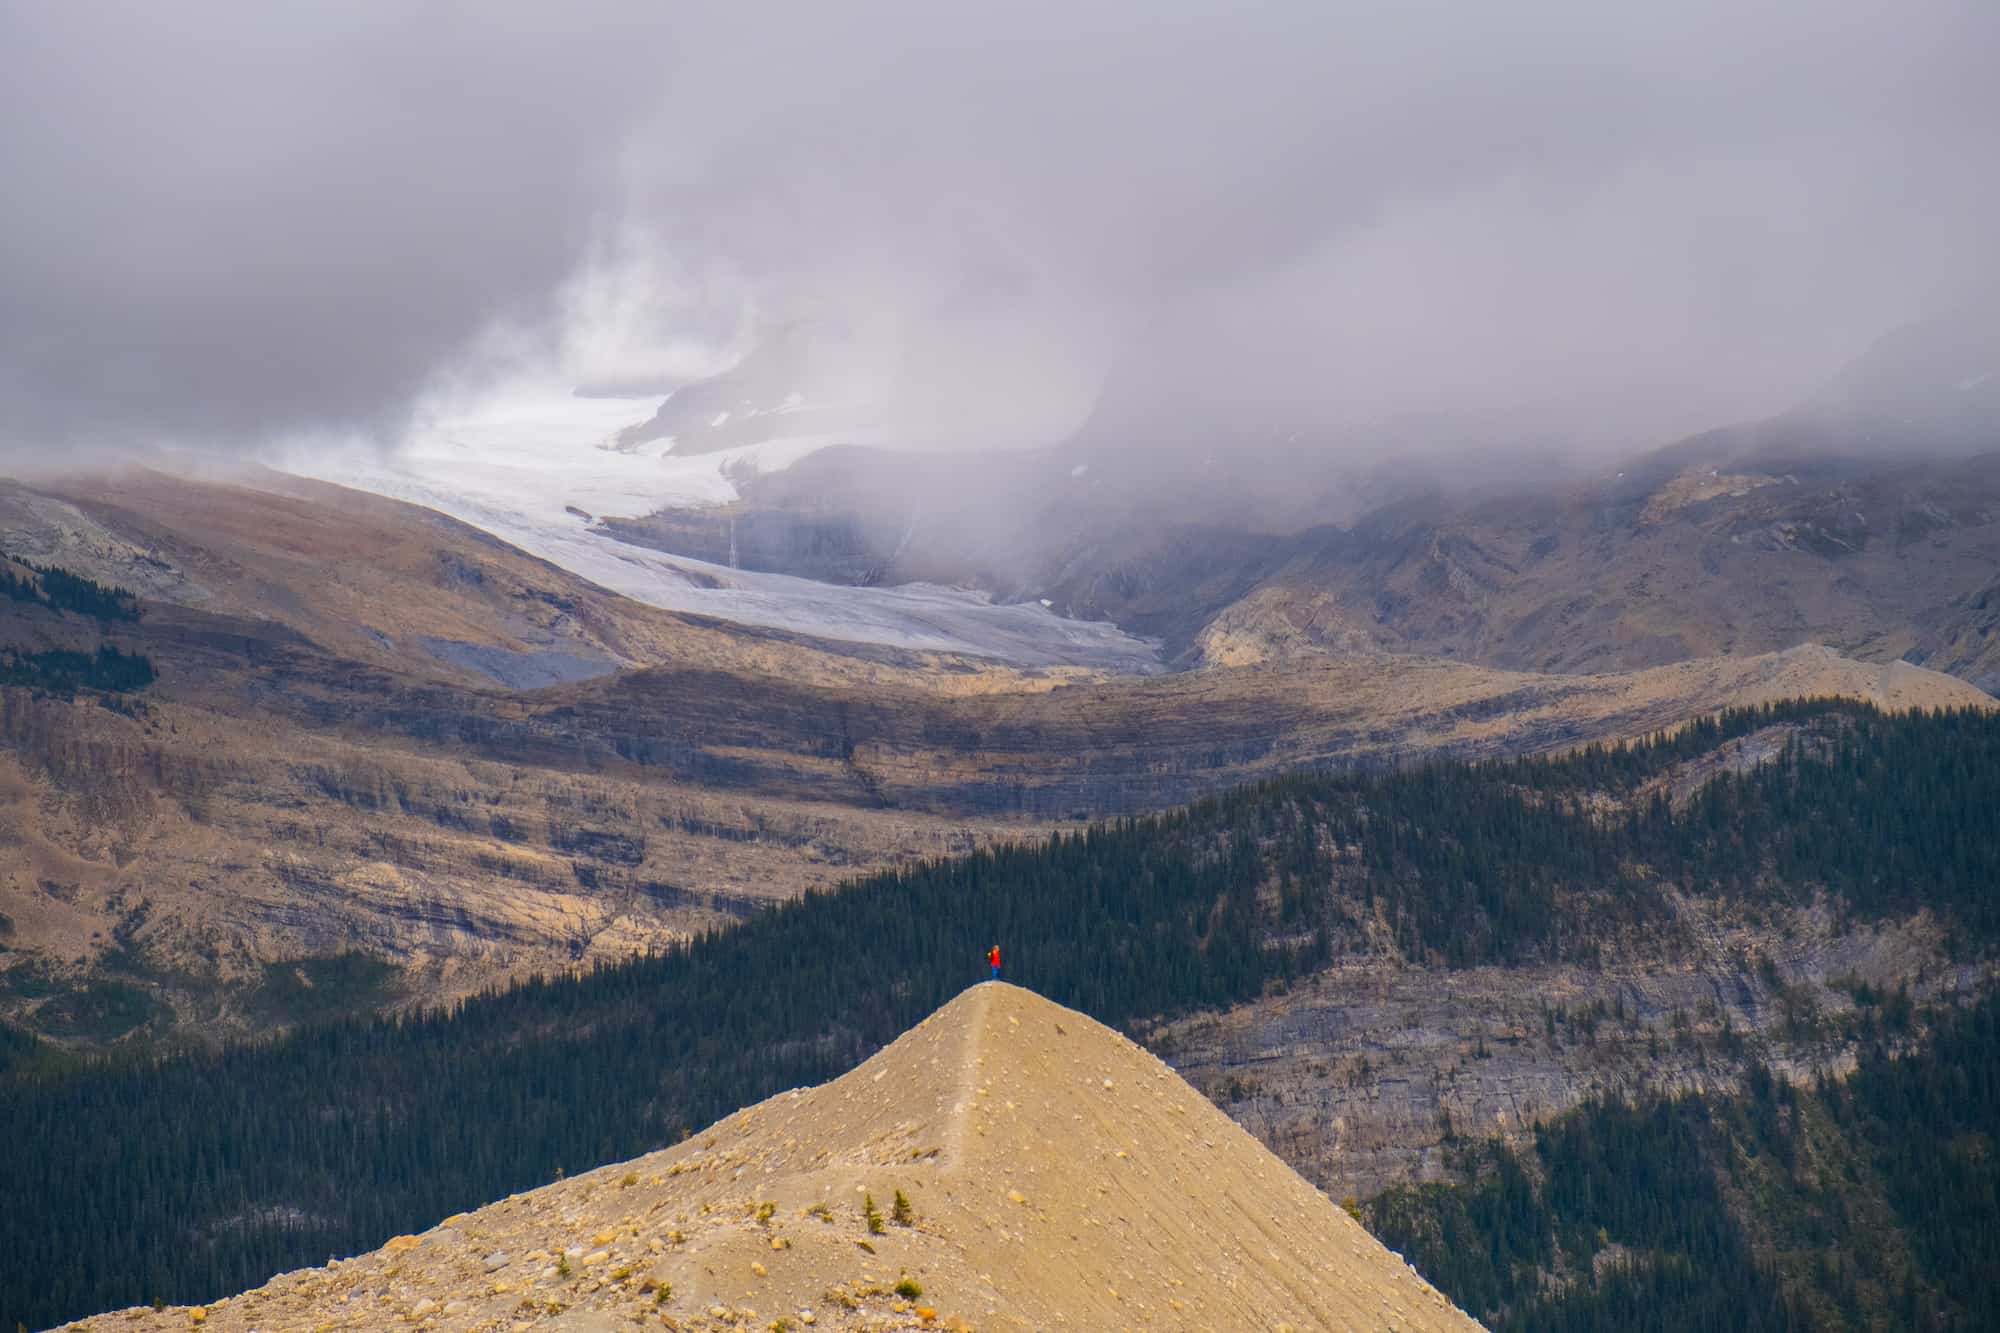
(377, 735)
(1320, 955)
(996, 668)
(292, 763)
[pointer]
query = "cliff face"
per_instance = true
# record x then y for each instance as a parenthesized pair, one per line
(1367, 1075)
(1007, 1164)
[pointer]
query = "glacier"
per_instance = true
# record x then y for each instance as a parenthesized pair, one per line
(538, 468)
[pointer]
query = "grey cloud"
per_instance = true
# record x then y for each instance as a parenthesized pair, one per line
(224, 220)
(1617, 221)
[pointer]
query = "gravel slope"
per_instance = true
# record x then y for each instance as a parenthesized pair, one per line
(1057, 1176)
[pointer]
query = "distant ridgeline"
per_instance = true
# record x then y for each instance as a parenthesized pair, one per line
(199, 1175)
(65, 671)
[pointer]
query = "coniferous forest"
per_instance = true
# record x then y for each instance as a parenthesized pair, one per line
(60, 590)
(60, 671)
(1628, 1208)
(189, 1176)
(64, 671)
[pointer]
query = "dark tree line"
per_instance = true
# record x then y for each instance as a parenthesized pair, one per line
(63, 672)
(1931, 1128)
(60, 590)
(189, 1177)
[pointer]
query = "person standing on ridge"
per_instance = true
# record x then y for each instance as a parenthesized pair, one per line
(993, 959)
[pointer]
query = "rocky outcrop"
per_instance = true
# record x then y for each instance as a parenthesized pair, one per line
(1369, 1074)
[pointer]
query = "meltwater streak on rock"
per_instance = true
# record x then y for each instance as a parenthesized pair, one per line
(1055, 1175)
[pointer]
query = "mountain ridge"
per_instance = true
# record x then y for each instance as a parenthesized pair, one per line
(1866, 517)
(1002, 1129)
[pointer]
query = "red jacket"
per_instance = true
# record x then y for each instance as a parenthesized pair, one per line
(994, 957)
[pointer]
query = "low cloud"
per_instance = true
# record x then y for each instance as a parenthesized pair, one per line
(227, 224)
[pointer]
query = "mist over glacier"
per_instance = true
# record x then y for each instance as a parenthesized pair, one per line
(539, 468)
(1612, 226)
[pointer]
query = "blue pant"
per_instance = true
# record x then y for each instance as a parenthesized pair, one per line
(996, 971)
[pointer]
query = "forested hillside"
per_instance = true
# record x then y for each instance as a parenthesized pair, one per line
(195, 1176)
(60, 671)
(61, 590)
(1865, 1204)
(64, 670)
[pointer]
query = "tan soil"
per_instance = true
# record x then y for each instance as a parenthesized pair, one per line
(1059, 1177)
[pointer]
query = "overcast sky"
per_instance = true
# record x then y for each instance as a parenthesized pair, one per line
(224, 223)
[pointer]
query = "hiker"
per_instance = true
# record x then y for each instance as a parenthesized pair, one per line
(993, 958)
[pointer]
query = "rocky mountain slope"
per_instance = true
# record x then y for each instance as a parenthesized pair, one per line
(1007, 1164)
(1867, 519)
(336, 758)
(1741, 541)
(193, 855)
(1373, 1073)
(397, 587)
(1377, 974)
(1702, 552)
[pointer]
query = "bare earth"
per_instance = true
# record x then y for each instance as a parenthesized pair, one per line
(1058, 1176)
